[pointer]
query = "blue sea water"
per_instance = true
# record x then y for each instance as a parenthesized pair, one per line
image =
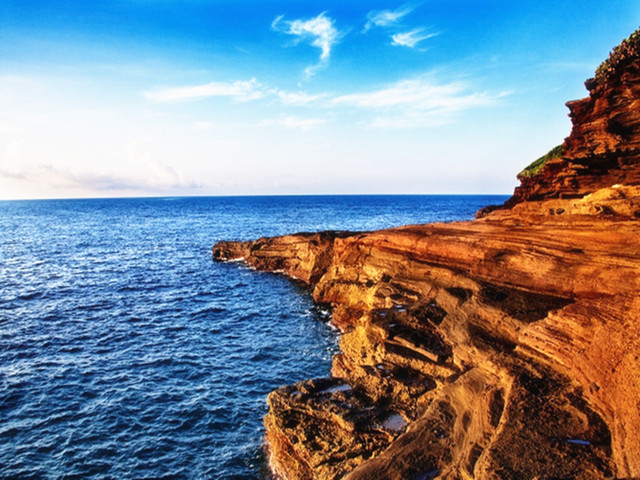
(125, 352)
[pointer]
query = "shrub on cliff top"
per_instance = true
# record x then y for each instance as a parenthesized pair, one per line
(535, 167)
(620, 55)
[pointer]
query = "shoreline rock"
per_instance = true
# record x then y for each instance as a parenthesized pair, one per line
(504, 347)
(479, 323)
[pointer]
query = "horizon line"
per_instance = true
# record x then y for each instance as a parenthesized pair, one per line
(272, 195)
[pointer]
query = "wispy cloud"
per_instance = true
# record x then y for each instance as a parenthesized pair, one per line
(50, 175)
(319, 31)
(411, 38)
(417, 102)
(408, 103)
(386, 18)
(293, 121)
(239, 90)
(151, 174)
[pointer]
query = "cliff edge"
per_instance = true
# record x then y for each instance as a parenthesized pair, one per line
(503, 348)
(603, 148)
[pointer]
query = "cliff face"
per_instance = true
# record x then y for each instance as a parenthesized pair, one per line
(491, 349)
(506, 347)
(604, 146)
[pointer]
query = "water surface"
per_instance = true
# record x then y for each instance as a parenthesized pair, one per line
(125, 352)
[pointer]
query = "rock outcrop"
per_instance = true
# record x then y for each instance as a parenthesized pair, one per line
(604, 146)
(503, 348)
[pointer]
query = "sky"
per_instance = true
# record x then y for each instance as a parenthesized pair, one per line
(111, 98)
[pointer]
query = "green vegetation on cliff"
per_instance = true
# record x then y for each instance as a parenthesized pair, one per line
(620, 55)
(535, 167)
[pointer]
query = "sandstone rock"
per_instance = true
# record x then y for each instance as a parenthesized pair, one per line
(603, 148)
(543, 317)
(503, 348)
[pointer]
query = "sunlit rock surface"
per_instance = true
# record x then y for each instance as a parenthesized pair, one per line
(503, 348)
(604, 146)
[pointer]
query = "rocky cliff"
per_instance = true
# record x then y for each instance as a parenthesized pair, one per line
(503, 348)
(604, 146)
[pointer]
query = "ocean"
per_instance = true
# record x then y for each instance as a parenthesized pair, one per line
(127, 353)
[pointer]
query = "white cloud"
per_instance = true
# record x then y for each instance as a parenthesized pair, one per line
(319, 31)
(151, 176)
(422, 101)
(418, 93)
(240, 90)
(410, 39)
(47, 175)
(417, 102)
(386, 18)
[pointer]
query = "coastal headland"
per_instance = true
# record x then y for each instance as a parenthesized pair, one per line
(507, 347)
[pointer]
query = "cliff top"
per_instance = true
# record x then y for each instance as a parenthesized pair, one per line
(601, 152)
(625, 53)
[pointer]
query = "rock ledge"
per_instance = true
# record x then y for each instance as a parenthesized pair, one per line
(503, 348)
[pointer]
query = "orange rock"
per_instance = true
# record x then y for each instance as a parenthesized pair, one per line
(506, 347)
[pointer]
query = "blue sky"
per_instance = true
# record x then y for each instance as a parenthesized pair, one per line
(219, 97)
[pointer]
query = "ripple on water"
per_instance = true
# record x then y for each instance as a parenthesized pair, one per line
(125, 352)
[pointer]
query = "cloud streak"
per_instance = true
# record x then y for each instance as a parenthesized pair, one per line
(164, 178)
(409, 103)
(142, 174)
(417, 102)
(411, 38)
(239, 90)
(386, 18)
(319, 32)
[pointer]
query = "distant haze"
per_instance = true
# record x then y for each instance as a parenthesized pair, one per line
(232, 97)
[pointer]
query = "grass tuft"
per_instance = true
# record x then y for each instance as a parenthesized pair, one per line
(536, 166)
(627, 51)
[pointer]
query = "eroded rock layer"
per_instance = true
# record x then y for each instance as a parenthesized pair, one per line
(603, 148)
(503, 348)
(486, 349)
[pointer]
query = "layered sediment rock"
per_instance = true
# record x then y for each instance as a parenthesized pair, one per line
(490, 349)
(604, 146)
(503, 348)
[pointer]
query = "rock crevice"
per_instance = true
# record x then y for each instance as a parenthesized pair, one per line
(489, 352)
(505, 347)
